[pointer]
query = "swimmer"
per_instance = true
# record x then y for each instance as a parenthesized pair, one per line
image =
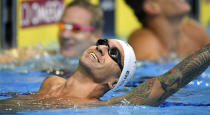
(104, 69)
(165, 31)
(79, 27)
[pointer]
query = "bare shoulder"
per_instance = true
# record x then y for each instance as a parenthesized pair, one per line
(145, 44)
(193, 30)
(191, 24)
(50, 83)
(54, 77)
(52, 80)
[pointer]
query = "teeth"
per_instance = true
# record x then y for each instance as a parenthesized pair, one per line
(94, 56)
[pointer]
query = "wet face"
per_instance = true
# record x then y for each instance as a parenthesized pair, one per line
(173, 7)
(75, 34)
(102, 61)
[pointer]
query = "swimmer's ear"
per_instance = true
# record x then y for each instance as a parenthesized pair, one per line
(151, 8)
(112, 83)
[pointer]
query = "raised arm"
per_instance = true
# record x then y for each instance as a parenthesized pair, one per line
(154, 91)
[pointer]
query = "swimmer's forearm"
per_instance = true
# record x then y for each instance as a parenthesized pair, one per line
(29, 102)
(188, 69)
(156, 90)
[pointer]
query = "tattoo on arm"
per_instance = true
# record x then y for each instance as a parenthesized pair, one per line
(139, 95)
(187, 70)
(170, 82)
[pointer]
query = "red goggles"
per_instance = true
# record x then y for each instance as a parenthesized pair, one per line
(74, 27)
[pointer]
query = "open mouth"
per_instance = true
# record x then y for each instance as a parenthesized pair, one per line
(68, 45)
(94, 56)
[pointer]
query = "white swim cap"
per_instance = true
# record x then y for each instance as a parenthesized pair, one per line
(128, 68)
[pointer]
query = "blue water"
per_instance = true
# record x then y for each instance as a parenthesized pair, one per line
(193, 99)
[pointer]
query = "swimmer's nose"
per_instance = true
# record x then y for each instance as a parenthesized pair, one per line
(103, 49)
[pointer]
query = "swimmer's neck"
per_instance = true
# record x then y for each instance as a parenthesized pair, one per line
(82, 87)
(166, 30)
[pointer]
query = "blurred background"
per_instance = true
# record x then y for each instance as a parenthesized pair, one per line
(26, 23)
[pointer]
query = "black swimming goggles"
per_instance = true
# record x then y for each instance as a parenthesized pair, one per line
(114, 53)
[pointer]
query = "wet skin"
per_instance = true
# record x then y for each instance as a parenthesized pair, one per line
(96, 74)
(152, 92)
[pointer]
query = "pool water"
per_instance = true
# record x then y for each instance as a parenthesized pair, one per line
(20, 79)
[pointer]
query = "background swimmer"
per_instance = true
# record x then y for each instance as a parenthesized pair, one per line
(99, 64)
(80, 27)
(165, 31)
